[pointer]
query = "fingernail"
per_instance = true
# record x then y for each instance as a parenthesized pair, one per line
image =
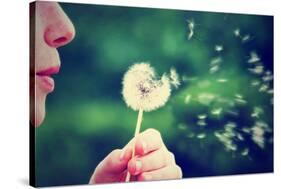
(144, 147)
(138, 166)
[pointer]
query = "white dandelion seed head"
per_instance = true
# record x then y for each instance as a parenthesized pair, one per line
(142, 90)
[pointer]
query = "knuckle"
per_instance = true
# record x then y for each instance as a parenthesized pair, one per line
(154, 132)
(111, 158)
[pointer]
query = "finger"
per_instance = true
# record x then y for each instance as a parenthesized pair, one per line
(148, 141)
(152, 161)
(166, 173)
(116, 161)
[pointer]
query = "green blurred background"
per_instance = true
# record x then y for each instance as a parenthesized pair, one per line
(87, 117)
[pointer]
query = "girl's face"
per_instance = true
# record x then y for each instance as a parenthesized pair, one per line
(53, 29)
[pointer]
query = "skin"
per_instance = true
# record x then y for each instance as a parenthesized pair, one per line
(153, 161)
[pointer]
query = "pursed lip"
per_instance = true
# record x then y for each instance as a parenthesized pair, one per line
(48, 71)
(45, 80)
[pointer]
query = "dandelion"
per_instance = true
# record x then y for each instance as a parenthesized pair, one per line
(142, 91)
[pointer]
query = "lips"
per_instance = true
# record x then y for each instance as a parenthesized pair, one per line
(45, 80)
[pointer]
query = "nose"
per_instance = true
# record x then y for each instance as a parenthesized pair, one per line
(60, 30)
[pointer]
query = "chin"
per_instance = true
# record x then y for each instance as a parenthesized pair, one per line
(39, 110)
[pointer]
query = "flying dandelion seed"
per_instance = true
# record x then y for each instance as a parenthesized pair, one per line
(206, 98)
(222, 80)
(201, 135)
(142, 91)
(257, 70)
(214, 69)
(253, 57)
(258, 131)
(190, 135)
(270, 91)
(237, 32)
(245, 152)
(258, 136)
(267, 78)
(202, 116)
(190, 26)
(188, 79)
(257, 112)
(216, 111)
(215, 64)
(226, 139)
(240, 137)
(201, 122)
(182, 126)
(237, 95)
(174, 78)
(187, 99)
(255, 82)
(218, 48)
(239, 99)
(216, 60)
(230, 125)
(263, 88)
(232, 112)
(245, 38)
(246, 130)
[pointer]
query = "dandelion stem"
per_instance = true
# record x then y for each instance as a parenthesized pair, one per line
(137, 131)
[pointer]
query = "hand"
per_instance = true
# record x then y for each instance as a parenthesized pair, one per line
(152, 161)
